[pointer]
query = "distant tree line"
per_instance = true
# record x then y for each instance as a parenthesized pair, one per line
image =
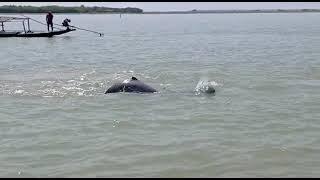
(62, 9)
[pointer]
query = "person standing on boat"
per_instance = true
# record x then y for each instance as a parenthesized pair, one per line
(49, 19)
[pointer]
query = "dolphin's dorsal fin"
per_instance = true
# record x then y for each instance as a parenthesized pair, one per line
(134, 78)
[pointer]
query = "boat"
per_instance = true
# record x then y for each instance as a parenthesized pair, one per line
(43, 34)
(26, 31)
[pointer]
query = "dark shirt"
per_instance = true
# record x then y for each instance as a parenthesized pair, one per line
(49, 18)
(65, 23)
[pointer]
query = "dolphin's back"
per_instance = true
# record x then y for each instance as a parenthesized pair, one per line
(131, 86)
(118, 87)
(138, 86)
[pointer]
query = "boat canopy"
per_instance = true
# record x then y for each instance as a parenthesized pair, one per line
(8, 19)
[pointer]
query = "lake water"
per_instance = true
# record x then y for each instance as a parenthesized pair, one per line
(56, 121)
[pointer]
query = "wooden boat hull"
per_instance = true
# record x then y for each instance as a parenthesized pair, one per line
(35, 34)
(8, 34)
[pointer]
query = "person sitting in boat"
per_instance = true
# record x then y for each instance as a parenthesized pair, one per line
(49, 19)
(65, 23)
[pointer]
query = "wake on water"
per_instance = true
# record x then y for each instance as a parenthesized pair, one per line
(91, 86)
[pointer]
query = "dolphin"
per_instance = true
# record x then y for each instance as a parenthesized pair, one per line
(133, 85)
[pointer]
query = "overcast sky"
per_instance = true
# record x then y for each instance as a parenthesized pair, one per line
(180, 6)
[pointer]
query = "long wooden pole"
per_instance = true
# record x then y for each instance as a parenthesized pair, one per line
(28, 26)
(101, 34)
(24, 27)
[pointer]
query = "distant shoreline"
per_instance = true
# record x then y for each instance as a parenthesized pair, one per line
(11, 9)
(235, 11)
(62, 9)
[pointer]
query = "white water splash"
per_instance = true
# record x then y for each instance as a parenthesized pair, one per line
(205, 86)
(126, 81)
(19, 91)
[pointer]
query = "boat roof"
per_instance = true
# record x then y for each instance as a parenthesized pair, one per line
(8, 19)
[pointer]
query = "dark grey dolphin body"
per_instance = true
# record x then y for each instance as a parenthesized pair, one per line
(134, 85)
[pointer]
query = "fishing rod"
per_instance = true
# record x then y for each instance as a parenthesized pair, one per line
(101, 34)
